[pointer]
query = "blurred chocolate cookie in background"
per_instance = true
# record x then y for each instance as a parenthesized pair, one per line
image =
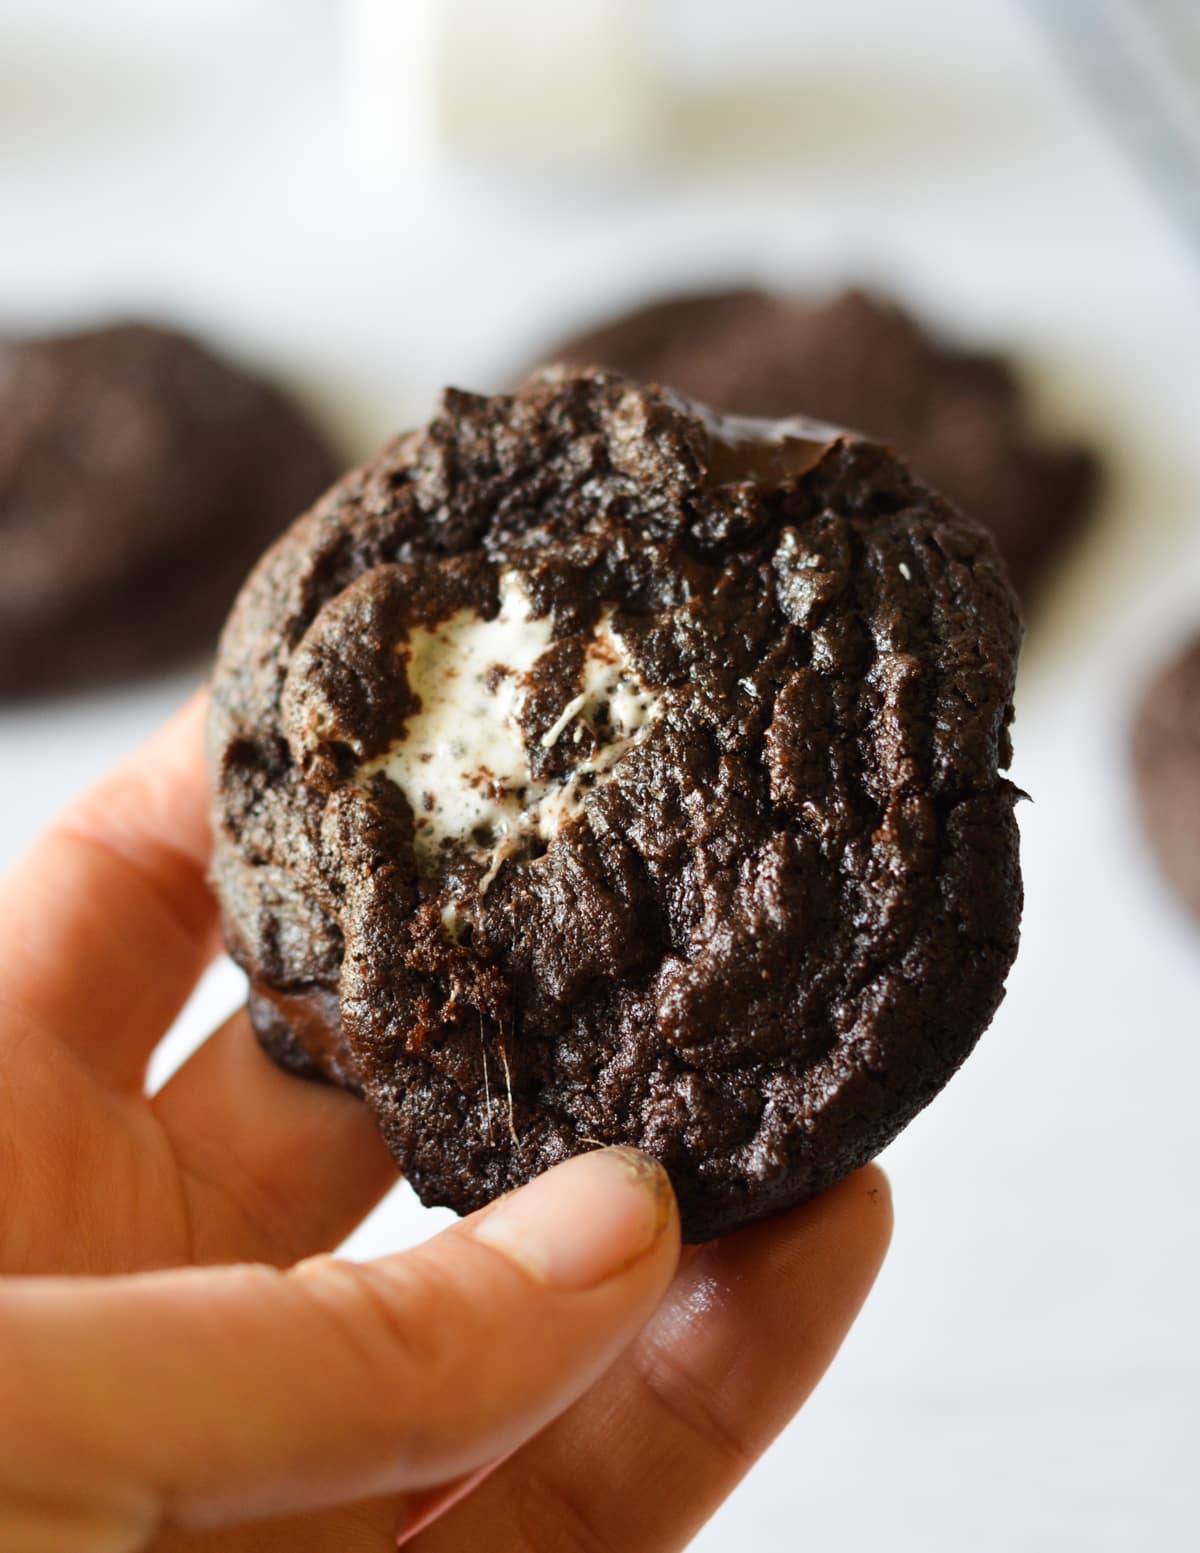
(1166, 753)
(140, 477)
(959, 417)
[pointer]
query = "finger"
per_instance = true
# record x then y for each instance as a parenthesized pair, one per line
(207, 1397)
(358, 1528)
(749, 1327)
(107, 919)
(366, 1527)
(278, 1167)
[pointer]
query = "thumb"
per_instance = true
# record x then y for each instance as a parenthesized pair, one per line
(204, 1397)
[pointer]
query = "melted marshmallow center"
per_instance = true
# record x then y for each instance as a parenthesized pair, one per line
(462, 761)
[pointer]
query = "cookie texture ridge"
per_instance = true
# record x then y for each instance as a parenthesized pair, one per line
(958, 417)
(1166, 751)
(589, 768)
(140, 477)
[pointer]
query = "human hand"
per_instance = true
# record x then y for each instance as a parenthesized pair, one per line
(545, 1374)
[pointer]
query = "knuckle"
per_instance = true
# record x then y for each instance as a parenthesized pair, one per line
(550, 1514)
(379, 1316)
(401, 1341)
(679, 1393)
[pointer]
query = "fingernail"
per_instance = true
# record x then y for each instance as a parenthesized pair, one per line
(583, 1221)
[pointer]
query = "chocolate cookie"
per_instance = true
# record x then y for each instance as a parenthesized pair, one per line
(590, 769)
(957, 416)
(140, 476)
(1166, 749)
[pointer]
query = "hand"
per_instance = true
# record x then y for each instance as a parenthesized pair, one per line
(547, 1374)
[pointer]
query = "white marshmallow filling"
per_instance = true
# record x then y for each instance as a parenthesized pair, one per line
(462, 760)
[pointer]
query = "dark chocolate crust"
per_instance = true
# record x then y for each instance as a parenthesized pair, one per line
(140, 477)
(958, 417)
(781, 924)
(1166, 751)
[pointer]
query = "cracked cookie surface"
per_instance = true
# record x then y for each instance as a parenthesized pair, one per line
(592, 769)
(959, 417)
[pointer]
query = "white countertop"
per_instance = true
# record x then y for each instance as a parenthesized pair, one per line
(1027, 1373)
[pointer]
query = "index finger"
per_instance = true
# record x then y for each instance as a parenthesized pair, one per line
(107, 919)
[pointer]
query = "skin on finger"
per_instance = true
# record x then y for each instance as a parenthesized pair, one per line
(107, 920)
(369, 1526)
(417, 1511)
(642, 1461)
(365, 1527)
(278, 1166)
(201, 1398)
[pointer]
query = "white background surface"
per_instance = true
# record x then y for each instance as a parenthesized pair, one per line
(1027, 1373)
